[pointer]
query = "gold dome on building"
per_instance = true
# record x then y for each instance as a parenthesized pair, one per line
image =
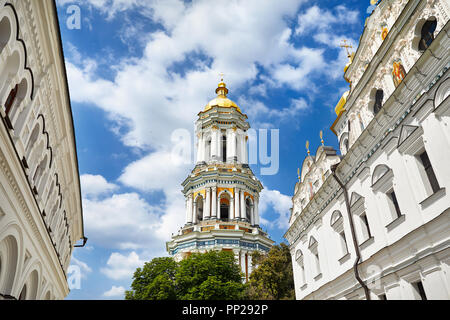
(221, 100)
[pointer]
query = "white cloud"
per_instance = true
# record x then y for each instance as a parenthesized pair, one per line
(123, 221)
(115, 292)
(120, 266)
(161, 171)
(317, 19)
(323, 25)
(258, 111)
(149, 100)
(280, 203)
(95, 185)
(298, 74)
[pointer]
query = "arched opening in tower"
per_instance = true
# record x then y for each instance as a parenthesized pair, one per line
(199, 208)
(248, 209)
(224, 208)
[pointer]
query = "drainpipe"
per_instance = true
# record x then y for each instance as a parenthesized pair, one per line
(82, 245)
(352, 228)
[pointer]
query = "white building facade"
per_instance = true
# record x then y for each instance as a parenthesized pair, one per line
(374, 222)
(40, 201)
(222, 193)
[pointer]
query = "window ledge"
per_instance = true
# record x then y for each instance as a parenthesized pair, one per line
(394, 223)
(344, 258)
(318, 276)
(366, 243)
(303, 287)
(433, 198)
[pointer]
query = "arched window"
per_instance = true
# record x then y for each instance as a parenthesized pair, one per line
(23, 293)
(32, 140)
(199, 212)
(17, 95)
(378, 101)
(39, 171)
(336, 217)
(427, 34)
(9, 251)
(224, 209)
(10, 100)
(5, 32)
(33, 285)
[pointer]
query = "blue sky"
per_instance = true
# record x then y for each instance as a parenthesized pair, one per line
(140, 70)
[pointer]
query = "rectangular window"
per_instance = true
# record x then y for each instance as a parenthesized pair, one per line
(366, 232)
(316, 258)
(429, 171)
(343, 243)
(393, 198)
(418, 287)
(302, 274)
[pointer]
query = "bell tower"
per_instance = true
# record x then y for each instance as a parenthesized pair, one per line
(221, 193)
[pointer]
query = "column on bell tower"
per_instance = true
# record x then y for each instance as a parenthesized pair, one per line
(189, 211)
(200, 148)
(231, 145)
(231, 212)
(255, 211)
(207, 206)
(243, 148)
(214, 143)
(194, 213)
(214, 203)
(237, 204)
(243, 207)
(219, 145)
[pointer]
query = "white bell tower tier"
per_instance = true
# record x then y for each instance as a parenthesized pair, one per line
(222, 193)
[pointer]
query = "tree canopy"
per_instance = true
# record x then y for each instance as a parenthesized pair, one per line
(213, 275)
(272, 277)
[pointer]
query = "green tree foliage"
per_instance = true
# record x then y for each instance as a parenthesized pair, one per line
(155, 281)
(208, 276)
(202, 276)
(272, 278)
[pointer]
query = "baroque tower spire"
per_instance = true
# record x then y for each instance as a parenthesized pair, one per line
(221, 193)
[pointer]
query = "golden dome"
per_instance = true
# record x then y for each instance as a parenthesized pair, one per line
(221, 100)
